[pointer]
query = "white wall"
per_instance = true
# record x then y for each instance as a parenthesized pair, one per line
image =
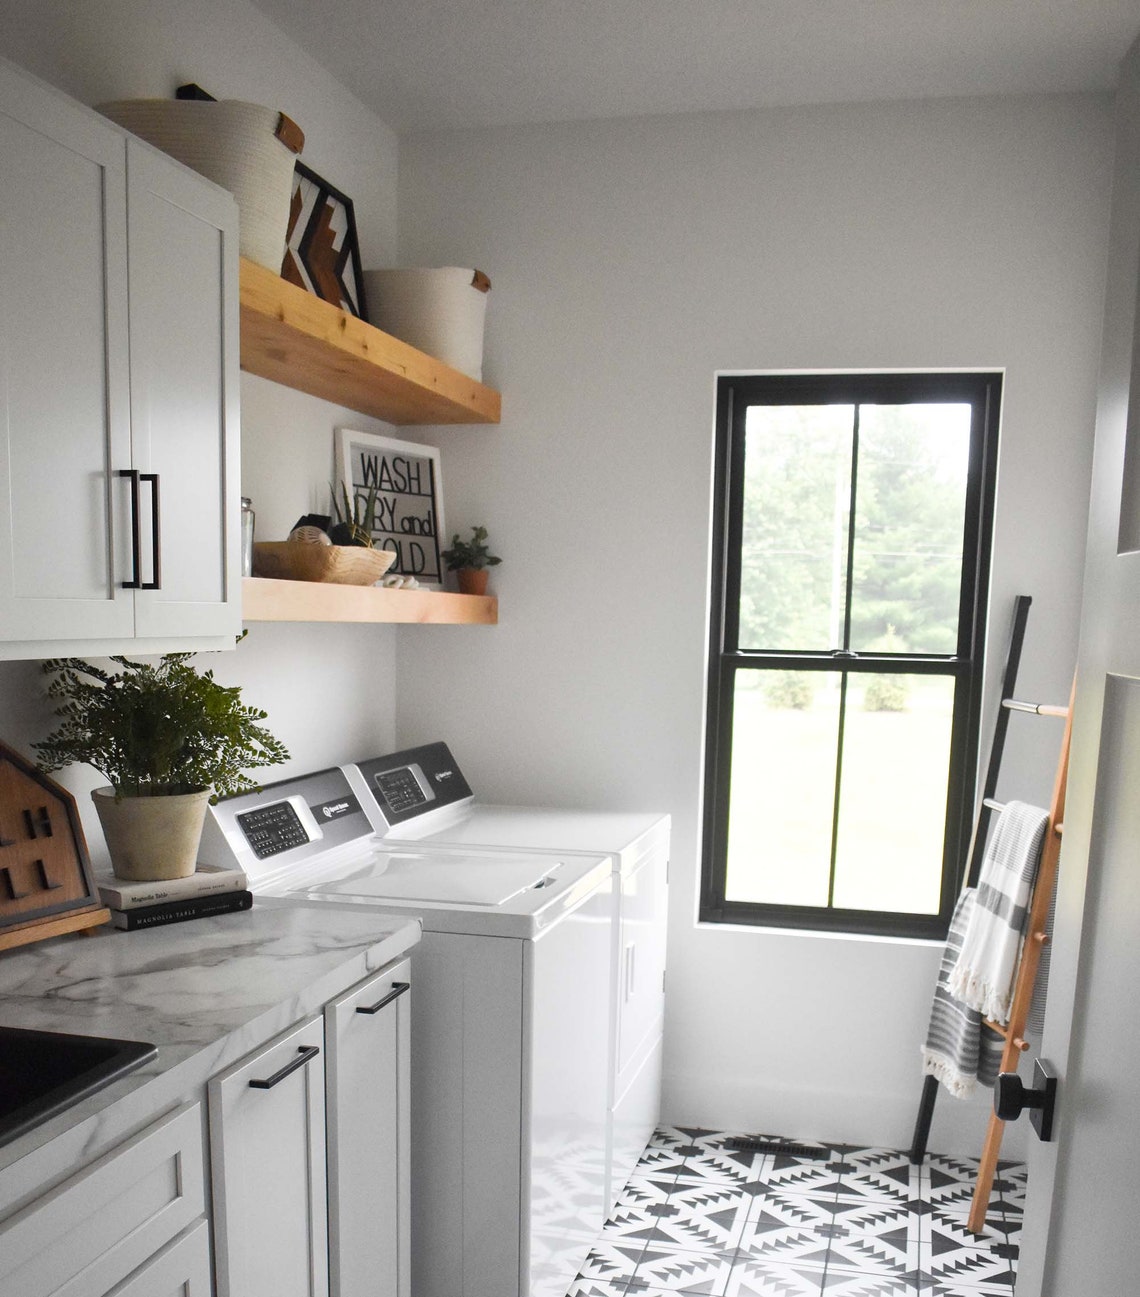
(630, 261)
(329, 690)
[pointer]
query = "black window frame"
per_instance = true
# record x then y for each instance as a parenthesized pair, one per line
(735, 393)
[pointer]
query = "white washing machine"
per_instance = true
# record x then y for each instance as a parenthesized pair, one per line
(421, 795)
(510, 1021)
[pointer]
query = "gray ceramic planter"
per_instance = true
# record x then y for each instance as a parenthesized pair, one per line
(152, 838)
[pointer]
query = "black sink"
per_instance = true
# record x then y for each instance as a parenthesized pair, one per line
(43, 1072)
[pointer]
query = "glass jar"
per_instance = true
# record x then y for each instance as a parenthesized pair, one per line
(247, 519)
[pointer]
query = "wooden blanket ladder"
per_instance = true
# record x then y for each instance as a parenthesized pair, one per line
(1025, 976)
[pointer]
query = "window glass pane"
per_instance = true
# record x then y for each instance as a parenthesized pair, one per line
(793, 560)
(785, 732)
(892, 803)
(909, 518)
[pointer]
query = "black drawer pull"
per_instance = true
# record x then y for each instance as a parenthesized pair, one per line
(398, 989)
(304, 1054)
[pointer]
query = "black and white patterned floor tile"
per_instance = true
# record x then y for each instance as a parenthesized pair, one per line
(703, 1218)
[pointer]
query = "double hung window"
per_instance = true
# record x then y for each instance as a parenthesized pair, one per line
(852, 527)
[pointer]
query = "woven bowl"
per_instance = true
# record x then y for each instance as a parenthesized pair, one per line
(292, 560)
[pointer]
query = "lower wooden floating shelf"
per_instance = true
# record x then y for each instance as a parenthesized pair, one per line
(266, 600)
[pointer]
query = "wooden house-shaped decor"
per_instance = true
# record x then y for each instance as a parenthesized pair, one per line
(46, 884)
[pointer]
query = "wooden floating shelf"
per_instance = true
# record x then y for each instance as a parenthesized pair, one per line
(294, 338)
(268, 600)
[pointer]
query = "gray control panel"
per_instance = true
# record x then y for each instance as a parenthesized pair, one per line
(413, 782)
(283, 823)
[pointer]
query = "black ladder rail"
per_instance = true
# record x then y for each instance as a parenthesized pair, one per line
(997, 747)
(978, 840)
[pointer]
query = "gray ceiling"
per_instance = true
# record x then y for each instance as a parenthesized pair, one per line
(428, 64)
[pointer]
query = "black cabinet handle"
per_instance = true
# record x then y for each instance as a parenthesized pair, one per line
(398, 989)
(133, 474)
(304, 1054)
(155, 539)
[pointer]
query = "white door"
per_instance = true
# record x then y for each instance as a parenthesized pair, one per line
(267, 1156)
(64, 417)
(1080, 1231)
(184, 398)
(368, 1038)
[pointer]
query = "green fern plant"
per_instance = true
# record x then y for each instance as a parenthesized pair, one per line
(155, 730)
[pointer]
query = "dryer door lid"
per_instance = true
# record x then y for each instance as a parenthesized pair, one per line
(455, 880)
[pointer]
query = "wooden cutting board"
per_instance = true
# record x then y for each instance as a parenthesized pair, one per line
(46, 884)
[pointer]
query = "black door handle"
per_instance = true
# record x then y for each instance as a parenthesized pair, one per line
(304, 1054)
(1012, 1096)
(398, 989)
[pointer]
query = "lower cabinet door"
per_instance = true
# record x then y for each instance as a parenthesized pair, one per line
(368, 1036)
(182, 1269)
(267, 1152)
(86, 1235)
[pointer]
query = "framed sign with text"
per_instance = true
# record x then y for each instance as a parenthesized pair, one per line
(408, 515)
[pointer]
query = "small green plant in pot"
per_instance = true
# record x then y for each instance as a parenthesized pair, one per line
(469, 560)
(168, 739)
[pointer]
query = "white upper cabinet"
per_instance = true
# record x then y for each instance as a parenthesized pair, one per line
(64, 366)
(182, 257)
(118, 388)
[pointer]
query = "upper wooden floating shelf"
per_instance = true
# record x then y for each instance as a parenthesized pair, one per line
(296, 339)
(267, 600)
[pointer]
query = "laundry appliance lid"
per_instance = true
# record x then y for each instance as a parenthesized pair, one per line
(459, 879)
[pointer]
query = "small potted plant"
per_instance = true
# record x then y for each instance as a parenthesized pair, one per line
(469, 560)
(164, 736)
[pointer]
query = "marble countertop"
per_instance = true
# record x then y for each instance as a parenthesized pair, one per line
(206, 993)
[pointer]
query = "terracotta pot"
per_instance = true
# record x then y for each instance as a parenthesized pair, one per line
(472, 580)
(152, 838)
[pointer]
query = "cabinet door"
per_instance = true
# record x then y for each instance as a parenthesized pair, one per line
(267, 1152)
(181, 1269)
(83, 1237)
(63, 367)
(184, 397)
(641, 1001)
(368, 1033)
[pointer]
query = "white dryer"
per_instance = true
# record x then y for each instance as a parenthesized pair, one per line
(510, 1021)
(421, 795)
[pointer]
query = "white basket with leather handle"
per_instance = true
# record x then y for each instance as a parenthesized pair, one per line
(245, 148)
(440, 311)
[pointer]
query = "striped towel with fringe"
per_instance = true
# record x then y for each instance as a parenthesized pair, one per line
(959, 1051)
(983, 975)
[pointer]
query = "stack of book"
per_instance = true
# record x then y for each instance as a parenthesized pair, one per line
(204, 893)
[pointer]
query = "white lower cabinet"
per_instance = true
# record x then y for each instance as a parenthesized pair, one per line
(310, 1180)
(310, 1156)
(181, 1269)
(367, 1039)
(267, 1152)
(635, 1100)
(91, 1232)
